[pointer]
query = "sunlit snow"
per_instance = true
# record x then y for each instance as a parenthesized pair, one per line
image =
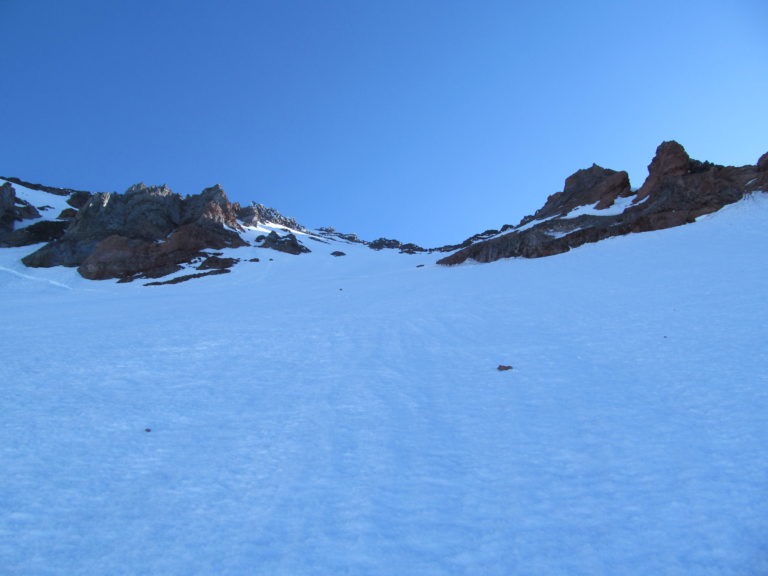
(319, 415)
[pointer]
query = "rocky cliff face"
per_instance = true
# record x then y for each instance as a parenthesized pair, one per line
(677, 191)
(148, 231)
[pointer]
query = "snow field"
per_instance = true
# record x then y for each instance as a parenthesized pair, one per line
(319, 415)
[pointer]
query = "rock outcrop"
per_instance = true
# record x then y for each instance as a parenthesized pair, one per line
(288, 243)
(12, 210)
(256, 214)
(594, 185)
(146, 232)
(7, 208)
(677, 191)
(408, 248)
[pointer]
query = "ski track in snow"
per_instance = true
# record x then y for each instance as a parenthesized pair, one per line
(318, 415)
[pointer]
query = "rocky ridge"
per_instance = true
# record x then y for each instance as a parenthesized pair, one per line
(147, 232)
(598, 203)
(151, 232)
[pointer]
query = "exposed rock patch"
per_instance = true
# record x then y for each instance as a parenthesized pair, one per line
(187, 277)
(594, 185)
(288, 243)
(67, 214)
(214, 262)
(78, 199)
(256, 214)
(382, 243)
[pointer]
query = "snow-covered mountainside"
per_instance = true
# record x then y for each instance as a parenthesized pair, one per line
(320, 414)
(151, 232)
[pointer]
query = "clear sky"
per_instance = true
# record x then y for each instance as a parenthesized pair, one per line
(426, 121)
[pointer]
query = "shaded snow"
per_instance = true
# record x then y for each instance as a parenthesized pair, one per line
(320, 415)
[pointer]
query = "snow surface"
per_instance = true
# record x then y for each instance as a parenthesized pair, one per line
(320, 415)
(618, 207)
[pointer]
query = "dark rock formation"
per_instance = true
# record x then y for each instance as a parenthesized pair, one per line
(7, 208)
(595, 185)
(677, 191)
(411, 248)
(762, 164)
(25, 211)
(148, 231)
(288, 243)
(44, 231)
(337, 253)
(259, 214)
(331, 233)
(67, 214)
(214, 262)
(187, 277)
(13, 209)
(381, 243)
(78, 199)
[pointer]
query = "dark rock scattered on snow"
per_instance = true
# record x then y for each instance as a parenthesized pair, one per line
(187, 277)
(217, 263)
(338, 253)
(331, 233)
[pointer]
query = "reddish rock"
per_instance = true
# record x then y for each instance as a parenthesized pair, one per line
(671, 160)
(677, 191)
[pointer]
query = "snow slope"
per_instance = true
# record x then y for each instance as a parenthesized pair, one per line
(320, 415)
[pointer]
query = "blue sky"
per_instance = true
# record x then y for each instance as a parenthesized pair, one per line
(427, 121)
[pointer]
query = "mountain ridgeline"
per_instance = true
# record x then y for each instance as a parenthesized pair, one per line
(151, 232)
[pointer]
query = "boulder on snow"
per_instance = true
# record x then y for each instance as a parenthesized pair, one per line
(288, 243)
